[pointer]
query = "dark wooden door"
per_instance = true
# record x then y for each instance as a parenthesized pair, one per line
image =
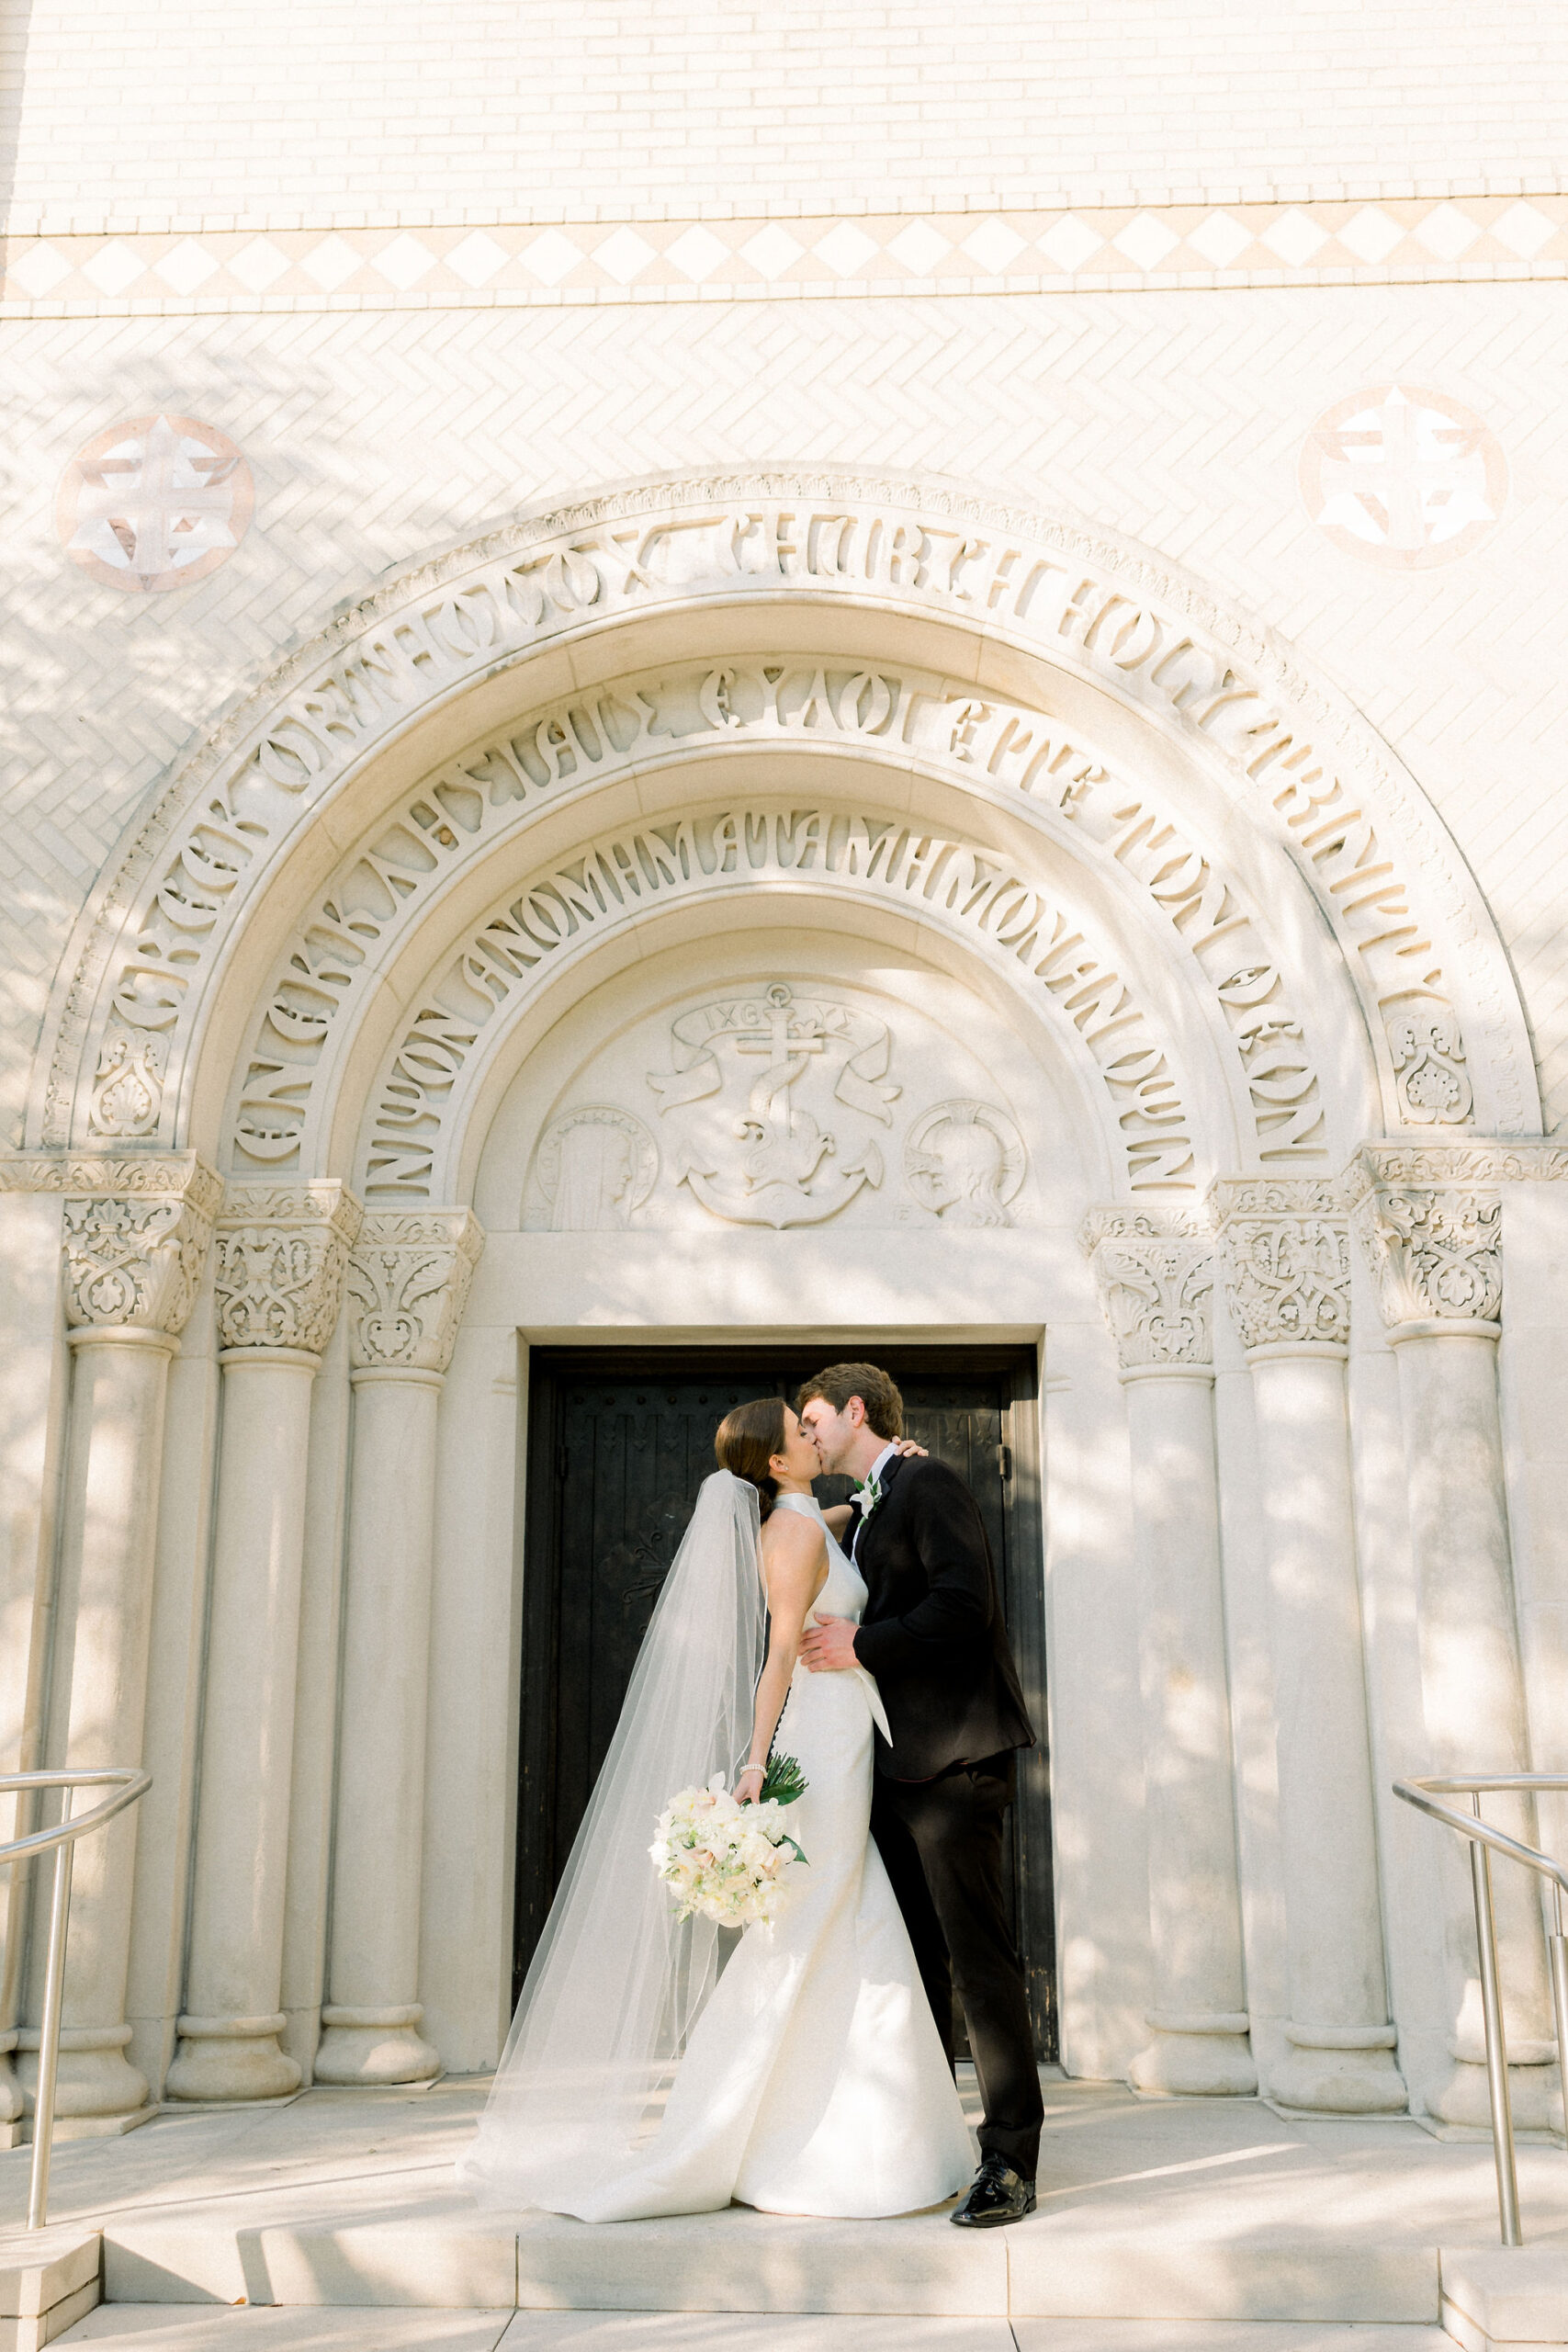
(618, 1446)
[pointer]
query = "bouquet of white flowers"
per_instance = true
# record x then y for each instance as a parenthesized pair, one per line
(729, 1862)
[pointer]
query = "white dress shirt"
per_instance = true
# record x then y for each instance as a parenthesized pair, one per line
(877, 1467)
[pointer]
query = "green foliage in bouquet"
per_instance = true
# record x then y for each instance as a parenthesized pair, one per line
(784, 1782)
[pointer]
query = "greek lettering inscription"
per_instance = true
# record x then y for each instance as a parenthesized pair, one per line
(958, 884)
(628, 554)
(464, 808)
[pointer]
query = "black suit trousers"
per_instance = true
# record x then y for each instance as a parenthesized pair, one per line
(942, 1843)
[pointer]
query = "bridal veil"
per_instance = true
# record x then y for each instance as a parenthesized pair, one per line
(617, 1982)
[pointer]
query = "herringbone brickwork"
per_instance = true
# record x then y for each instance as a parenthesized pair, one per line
(1177, 417)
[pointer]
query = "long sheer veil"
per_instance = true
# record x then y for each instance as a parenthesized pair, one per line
(617, 1984)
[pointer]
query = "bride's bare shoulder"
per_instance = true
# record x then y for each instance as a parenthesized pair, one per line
(795, 1550)
(791, 1535)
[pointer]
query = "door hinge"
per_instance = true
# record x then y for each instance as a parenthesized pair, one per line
(562, 1464)
(1004, 1462)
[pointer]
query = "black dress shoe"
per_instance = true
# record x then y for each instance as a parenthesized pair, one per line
(999, 2196)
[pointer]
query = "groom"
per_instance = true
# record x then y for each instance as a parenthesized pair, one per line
(932, 1635)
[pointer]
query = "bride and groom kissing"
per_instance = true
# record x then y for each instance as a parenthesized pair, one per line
(655, 2065)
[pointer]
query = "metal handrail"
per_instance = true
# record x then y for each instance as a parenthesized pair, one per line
(1484, 1841)
(129, 1785)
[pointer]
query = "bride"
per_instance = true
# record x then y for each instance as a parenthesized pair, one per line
(651, 2070)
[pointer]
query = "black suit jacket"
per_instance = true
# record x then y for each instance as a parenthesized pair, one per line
(932, 1631)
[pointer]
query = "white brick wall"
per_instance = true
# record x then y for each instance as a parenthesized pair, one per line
(274, 113)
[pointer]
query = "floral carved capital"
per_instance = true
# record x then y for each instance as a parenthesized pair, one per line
(282, 1249)
(408, 1285)
(1286, 1249)
(1431, 1234)
(1155, 1274)
(134, 1250)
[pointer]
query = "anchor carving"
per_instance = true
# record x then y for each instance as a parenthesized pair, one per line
(791, 1170)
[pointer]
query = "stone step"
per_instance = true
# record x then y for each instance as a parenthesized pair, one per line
(176, 2327)
(745, 2262)
(48, 2279)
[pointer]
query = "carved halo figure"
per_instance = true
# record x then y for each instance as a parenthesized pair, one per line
(594, 1167)
(964, 1161)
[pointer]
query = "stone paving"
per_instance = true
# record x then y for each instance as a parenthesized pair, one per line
(1163, 2224)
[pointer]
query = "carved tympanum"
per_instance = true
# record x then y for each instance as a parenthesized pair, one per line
(1287, 1256)
(281, 1253)
(408, 1283)
(1155, 1272)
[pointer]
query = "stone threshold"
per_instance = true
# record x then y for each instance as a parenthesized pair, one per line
(1182, 2210)
(743, 2262)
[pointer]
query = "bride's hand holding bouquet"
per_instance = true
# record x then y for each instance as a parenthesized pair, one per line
(727, 1858)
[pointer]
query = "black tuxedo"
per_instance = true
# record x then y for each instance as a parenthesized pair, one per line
(932, 1634)
(932, 1631)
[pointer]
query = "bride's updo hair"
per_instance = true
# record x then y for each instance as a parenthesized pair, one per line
(747, 1440)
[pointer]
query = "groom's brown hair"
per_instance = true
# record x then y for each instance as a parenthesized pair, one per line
(877, 1393)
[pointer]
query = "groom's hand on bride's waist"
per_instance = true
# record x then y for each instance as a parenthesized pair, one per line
(828, 1646)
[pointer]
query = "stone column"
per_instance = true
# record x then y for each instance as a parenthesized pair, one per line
(1155, 1269)
(1286, 1246)
(408, 1285)
(281, 1253)
(135, 1239)
(1431, 1228)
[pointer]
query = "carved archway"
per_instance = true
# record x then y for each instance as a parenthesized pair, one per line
(542, 685)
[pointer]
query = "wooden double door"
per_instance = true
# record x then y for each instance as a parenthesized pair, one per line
(619, 1444)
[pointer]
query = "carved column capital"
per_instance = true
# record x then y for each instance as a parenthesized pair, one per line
(408, 1283)
(282, 1249)
(135, 1236)
(1285, 1246)
(1430, 1226)
(1155, 1272)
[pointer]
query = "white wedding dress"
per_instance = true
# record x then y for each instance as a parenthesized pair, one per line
(814, 2080)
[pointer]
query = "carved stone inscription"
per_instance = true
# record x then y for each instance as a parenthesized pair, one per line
(1045, 581)
(463, 812)
(949, 882)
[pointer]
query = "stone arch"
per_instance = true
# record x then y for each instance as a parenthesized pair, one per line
(1042, 638)
(1071, 852)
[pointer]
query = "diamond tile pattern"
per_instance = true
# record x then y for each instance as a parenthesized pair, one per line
(1372, 236)
(1481, 236)
(379, 433)
(1296, 238)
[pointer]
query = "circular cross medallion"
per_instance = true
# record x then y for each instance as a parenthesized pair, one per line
(155, 502)
(1403, 477)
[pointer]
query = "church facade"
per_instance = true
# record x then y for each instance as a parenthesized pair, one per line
(631, 773)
